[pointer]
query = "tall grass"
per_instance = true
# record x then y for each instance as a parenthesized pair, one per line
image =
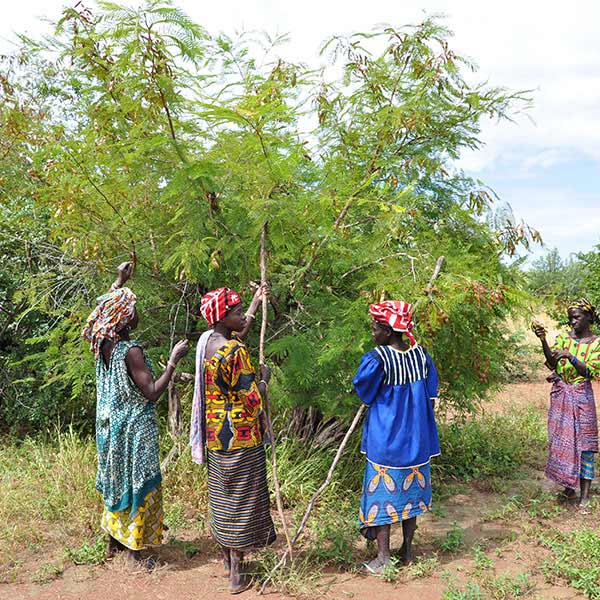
(48, 497)
(47, 494)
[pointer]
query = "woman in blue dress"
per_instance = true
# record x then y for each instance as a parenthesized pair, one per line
(398, 383)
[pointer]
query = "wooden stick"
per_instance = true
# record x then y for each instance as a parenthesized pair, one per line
(315, 496)
(261, 354)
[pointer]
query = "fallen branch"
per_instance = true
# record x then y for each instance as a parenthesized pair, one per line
(315, 496)
(261, 352)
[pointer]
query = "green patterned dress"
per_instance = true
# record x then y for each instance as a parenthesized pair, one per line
(129, 477)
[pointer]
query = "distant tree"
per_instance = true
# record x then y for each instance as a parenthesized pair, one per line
(591, 274)
(553, 278)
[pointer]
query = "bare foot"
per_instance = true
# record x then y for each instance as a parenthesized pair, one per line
(113, 547)
(584, 506)
(133, 558)
(567, 494)
(226, 561)
(242, 584)
(406, 555)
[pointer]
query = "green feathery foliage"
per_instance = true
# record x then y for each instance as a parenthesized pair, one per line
(134, 133)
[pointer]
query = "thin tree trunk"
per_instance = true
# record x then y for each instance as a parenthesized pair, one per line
(261, 353)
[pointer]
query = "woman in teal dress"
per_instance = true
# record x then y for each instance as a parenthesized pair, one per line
(128, 476)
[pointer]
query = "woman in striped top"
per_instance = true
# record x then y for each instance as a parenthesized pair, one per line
(572, 424)
(398, 382)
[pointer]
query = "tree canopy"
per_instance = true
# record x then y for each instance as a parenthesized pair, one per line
(137, 134)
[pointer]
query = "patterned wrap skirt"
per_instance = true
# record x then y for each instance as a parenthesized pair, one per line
(391, 495)
(238, 498)
(572, 431)
(142, 528)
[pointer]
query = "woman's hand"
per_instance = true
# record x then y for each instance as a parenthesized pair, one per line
(263, 291)
(125, 271)
(560, 354)
(265, 373)
(539, 331)
(179, 351)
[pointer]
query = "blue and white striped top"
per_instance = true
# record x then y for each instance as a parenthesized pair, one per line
(406, 366)
(398, 386)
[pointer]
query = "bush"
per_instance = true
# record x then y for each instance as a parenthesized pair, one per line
(489, 446)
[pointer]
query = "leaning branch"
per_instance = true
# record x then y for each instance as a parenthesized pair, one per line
(316, 495)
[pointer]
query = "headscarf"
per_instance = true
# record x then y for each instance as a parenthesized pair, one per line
(215, 304)
(586, 306)
(112, 313)
(396, 314)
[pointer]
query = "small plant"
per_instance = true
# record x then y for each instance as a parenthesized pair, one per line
(481, 559)
(189, 548)
(175, 518)
(472, 591)
(48, 572)
(506, 511)
(453, 539)
(576, 559)
(508, 587)
(423, 567)
(391, 570)
(89, 554)
(544, 507)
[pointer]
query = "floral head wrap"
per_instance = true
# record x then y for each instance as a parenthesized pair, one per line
(215, 304)
(112, 313)
(396, 314)
(586, 306)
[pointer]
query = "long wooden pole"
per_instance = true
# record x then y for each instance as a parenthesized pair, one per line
(261, 354)
(315, 496)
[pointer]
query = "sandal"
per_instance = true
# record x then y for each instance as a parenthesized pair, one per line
(244, 585)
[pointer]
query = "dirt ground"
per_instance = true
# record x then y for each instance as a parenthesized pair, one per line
(508, 544)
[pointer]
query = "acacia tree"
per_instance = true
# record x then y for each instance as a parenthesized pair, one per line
(149, 138)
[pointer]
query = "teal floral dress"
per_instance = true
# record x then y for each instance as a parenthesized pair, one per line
(128, 477)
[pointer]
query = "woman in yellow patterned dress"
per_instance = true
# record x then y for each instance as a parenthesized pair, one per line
(572, 422)
(227, 423)
(129, 477)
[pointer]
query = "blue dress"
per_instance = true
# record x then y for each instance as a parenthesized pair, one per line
(399, 434)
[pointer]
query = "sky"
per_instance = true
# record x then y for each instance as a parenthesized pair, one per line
(545, 164)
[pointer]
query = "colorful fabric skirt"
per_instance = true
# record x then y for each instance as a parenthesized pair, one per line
(391, 495)
(238, 498)
(142, 528)
(587, 465)
(572, 430)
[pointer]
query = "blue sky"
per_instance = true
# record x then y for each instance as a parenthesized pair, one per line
(546, 165)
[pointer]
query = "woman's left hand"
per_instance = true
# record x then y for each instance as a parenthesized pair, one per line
(262, 291)
(560, 354)
(125, 271)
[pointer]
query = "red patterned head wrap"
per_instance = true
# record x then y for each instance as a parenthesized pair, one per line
(112, 313)
(215, 304)
(396, 314)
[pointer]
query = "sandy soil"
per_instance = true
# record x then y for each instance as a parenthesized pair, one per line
(201, 576)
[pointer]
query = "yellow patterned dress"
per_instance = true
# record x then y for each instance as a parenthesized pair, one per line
(237, 475)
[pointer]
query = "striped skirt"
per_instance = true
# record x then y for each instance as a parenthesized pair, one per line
(238, 498)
